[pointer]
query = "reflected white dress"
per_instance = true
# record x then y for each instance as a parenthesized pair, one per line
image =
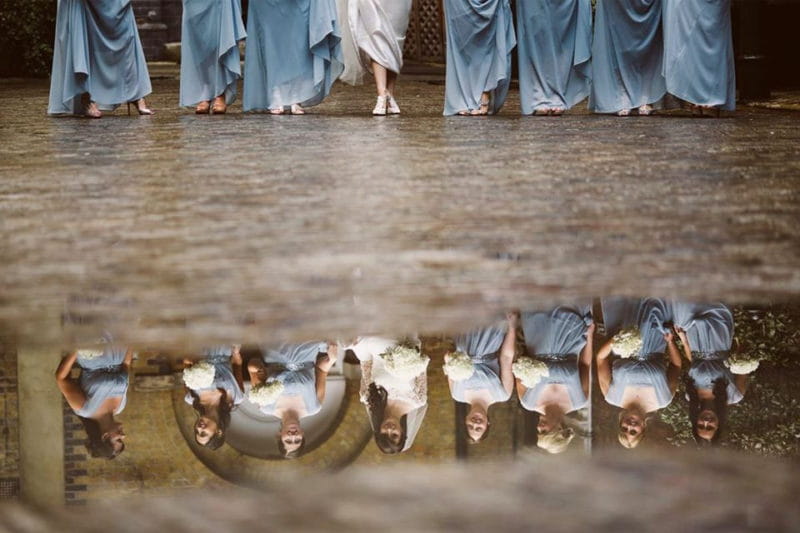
(372, 30)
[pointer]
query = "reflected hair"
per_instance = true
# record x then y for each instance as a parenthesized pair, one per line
(720, 391)
(377, 397)
(96, 445)
(294, 454)
(223, 419)
(557, 440)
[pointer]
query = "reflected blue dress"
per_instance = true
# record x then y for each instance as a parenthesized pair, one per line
(102, 378)
(555, 51)
(709, 329)
(627, 55)
(97, 51)
(556, 338)
(480, 38)
(699, 65)
(648, 368)
(295, 366)
(293, 53)
(483, 347)
(210, 65)
(220, 358)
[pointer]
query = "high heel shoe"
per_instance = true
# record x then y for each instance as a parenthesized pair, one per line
(141, 106)
(202, 108)
(219, 107)
(297, 109)
(90, 109)
(646, 110)
(380, 105)
(391, 106)
(483, 110)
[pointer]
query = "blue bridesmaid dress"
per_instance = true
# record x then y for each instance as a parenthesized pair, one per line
(483, 347)
(220, 358)
(555, 52)
(293, 53)
(627, 55)
(699, 65)
(97, 51)
(480, 38)
(295, 366)
(102, 378)
(210, 64)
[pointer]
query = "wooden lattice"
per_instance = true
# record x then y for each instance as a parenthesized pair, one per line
(425, 37)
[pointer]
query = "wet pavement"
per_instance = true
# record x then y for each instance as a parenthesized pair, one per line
(195, 228)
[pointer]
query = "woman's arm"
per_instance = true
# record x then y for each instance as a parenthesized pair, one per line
(687, 350)
(674, 369)
(604, 367)
(507, 354)
(320, 380)
(70, 388)
(236, 366)
(741, 381)
(585, 359)
(521, 389)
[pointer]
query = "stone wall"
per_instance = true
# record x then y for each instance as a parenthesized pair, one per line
(159, 22)
(9, 423)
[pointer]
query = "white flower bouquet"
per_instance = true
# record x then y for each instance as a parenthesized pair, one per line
(458, 366)
(530, 371)
(199, 375)
(742, 364)
(266, 393)
(405, 362)
(627, 343)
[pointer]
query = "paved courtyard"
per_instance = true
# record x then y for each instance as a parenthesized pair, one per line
(337, 222)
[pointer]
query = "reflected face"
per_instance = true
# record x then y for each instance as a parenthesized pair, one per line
(391, 428)
(477, 423)
(546, 425)
(292, 436)
(631, 425)
(116, 437)
(204, 430)
(707, 424)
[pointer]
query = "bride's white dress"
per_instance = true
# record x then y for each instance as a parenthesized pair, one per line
(372, 30)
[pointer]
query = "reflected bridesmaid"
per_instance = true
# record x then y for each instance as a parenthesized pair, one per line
(373, 34)
(293, 54)
(699, 64)
(210, 67)
(555, 41)
(98, 61)
(480, 38)
(627, 57)
(99, 393)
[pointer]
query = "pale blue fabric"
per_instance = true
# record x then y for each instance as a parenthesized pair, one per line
(620, 313)
(555, 51)
(210, 63)
(295, 366)
(627, 55)
(556, 338)
(102, 378)
(699, 65)
(293, 53)
(480, 38)
(220, 358)
(483, 347)
(648, 368)
(709, 329)
(97, 51)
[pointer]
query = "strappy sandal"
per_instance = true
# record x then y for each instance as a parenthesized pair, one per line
(297, 109)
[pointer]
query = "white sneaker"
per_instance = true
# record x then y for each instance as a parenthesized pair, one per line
(380, 106)
(392, 108)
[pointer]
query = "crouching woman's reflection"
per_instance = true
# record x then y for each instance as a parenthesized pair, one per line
(713, 381)
(394, 387)
(98, 394)
(479, 373)
(290, 384)
(554, 379)
(214, 387)
(641, 379)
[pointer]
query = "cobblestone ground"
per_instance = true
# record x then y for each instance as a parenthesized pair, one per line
(237, 225)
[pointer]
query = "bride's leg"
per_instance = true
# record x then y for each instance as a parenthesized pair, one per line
(380, 78)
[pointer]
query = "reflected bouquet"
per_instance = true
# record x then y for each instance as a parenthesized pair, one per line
(627, 343)
(266, 393)
(742, 363)
(458, 366)
(405, 362)
(199, 375)
(530, 371)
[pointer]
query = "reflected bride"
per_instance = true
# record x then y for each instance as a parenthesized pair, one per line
(491, 353)
(297, 374)
(214, 399)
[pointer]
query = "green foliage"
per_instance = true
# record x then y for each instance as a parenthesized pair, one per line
(26, 38)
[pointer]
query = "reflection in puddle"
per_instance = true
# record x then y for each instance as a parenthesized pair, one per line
(623, 374)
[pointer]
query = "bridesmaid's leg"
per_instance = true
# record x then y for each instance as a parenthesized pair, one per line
(391, 81)
(381, 78)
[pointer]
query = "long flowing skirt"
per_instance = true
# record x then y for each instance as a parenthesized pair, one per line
(294, 53)
(97, 51)
(209, 51)
(555, 51)
(375, 30)
(627, 55)
(480, 38)
(699, 64)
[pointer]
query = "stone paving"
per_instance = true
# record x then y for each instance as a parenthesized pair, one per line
(200, 228)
